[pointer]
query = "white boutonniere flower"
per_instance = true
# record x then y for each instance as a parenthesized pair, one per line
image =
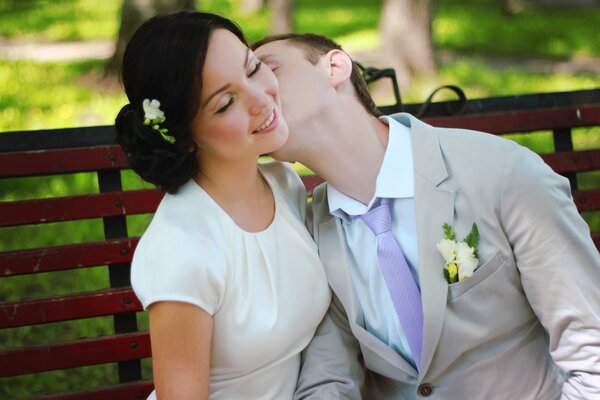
(460, 258)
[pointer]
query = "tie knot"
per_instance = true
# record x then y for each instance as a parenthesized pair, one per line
(379, 219)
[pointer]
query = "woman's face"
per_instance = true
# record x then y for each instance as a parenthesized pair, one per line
(240, 111)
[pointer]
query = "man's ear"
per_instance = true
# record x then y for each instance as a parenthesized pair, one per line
(339, 66)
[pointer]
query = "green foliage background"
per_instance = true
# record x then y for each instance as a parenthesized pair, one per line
(482, 49)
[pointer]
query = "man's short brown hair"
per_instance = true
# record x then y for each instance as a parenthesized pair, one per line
(315, 46)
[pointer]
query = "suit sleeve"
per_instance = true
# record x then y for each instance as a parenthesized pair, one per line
(559, 266)
(330, 364)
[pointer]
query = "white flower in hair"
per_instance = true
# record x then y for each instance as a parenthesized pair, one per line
(152, 111)
(154, 116)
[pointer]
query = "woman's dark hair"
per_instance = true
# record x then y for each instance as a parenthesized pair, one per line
(164, 61)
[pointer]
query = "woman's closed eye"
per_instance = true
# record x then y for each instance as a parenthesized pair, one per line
(224, 107)
(228, 101)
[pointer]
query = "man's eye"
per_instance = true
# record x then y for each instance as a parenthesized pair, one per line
(255, 70)
(225, 107)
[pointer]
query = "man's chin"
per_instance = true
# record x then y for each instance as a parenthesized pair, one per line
(282, 155)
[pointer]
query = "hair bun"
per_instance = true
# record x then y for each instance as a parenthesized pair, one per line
(166, 165)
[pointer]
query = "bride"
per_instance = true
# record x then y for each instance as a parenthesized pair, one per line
(227, 271)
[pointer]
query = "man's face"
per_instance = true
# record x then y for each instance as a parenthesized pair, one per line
(304, 88)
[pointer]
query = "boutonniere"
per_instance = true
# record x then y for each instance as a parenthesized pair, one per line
(460, 258)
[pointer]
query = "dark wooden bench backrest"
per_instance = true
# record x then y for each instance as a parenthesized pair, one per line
(28, 154)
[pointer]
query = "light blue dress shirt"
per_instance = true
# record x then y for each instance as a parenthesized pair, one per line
(395, 181)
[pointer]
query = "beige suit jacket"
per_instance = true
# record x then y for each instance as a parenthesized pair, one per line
(526, 325)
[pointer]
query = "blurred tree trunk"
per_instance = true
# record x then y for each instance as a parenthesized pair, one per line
(405, 29)
(281, 16)
(252, 6)
(133, 13)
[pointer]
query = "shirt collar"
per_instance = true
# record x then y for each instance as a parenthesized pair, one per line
(395, 178)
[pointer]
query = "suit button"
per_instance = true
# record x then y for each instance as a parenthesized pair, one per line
(425, 390)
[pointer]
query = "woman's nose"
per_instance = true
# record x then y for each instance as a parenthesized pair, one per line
(259, 100)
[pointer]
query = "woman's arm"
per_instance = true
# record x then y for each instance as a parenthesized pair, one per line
(181, 336)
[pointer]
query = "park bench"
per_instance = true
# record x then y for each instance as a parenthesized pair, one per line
(91, 150)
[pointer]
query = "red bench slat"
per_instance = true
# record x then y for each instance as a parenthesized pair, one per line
(65, 308)
(126, 391)
(130, 346)
(310, 182)
(59, 258)
(573, 161)
(60, 161)
(79, 207)
(524, 121)
(145, 201)
(587, 200)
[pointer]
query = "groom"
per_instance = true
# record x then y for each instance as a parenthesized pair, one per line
(524, 325)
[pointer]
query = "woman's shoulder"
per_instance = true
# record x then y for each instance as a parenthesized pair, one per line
(185, 218)
(183, 249)
(286, 183)
(179, 260)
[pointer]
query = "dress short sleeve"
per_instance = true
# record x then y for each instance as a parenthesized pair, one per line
(179, 259)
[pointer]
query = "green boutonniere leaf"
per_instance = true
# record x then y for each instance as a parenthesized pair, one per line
(472, 239)
(447, 275)
(450, 235)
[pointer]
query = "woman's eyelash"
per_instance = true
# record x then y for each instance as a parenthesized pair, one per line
(225, 107)
(255, 70)
(230, 102)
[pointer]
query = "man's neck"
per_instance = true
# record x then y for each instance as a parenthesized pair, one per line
(347, 152)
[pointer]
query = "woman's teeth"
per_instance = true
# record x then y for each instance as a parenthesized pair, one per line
(266, 124)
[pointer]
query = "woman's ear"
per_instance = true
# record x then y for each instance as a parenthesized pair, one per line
(339, 66)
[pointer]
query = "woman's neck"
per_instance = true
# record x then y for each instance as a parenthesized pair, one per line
(241, 191)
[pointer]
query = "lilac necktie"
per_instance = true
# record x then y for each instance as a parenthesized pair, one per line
(403, 289)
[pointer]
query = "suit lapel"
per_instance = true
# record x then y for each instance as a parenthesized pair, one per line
(332, 250)
(434, 207)
(333, 254)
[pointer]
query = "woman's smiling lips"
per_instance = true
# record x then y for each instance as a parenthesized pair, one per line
(270, 123)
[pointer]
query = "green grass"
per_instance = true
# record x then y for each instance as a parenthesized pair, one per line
(482, 79)
(74, 95)
(55, 95)
(58, 20)
(480, 26)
